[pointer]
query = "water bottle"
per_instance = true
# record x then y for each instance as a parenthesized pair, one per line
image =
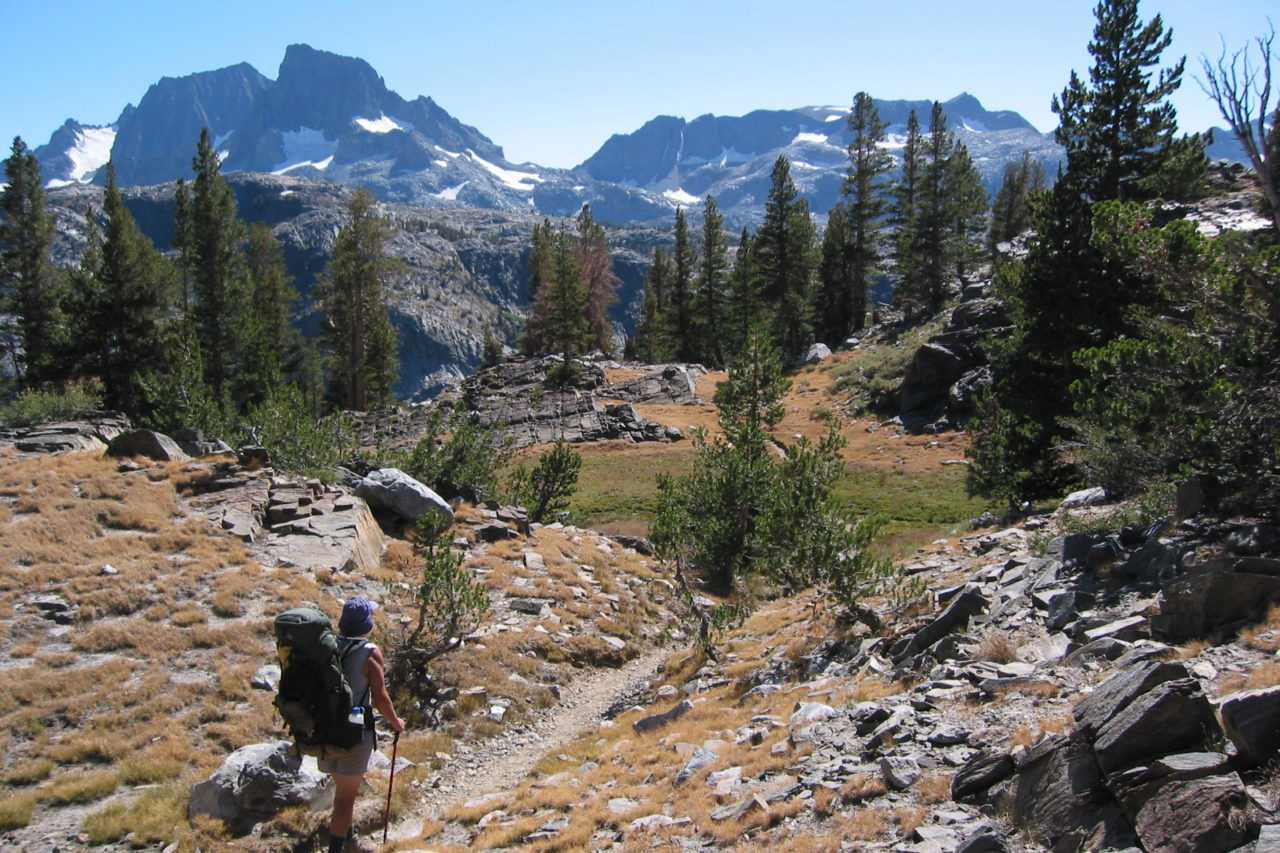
(356, 717)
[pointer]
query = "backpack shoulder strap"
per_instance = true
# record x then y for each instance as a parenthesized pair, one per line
(352, 644)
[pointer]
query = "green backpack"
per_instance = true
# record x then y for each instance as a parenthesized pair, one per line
(314, 698)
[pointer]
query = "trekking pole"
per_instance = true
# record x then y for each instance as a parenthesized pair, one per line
(386, 816)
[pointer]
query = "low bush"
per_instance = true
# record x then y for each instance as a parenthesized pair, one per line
(35, 407)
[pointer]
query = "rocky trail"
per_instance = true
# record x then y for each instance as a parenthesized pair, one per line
(498, 764)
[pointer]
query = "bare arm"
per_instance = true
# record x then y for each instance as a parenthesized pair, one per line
(374, 669)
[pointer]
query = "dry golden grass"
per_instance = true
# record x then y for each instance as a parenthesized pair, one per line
(934, 788)
(997, 646)
(115, 710)
(1193, 649)
(862, 787)
(908, 818)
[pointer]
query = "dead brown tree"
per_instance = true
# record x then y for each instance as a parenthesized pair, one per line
(1242, 91)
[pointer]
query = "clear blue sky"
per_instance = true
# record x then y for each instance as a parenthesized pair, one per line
(550, 81)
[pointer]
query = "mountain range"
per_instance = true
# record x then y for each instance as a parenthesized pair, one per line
(293, 147)
(332, 118)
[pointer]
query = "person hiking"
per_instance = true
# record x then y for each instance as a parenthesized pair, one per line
(365, 670)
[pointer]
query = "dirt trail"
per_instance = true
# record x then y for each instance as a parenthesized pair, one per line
(501, 763)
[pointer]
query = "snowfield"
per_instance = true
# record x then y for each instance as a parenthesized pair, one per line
(305, 147)
(382, 124)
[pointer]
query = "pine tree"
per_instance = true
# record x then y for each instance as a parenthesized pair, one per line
(942, 241)
(274, 351)
(712, 288)
(903, 215)
(968, 209)
(1067, 296)
(1118, 129)
(212, 246)
(653, 335)
(568, 325)
(852, 246)
(834, 309)
(744, 309)
(784, 252)
(540, 274)
(1011, 211)
(117, 304)
(681, 301)
(357, 331)
(182, 243)
(29, 286)
(598, 280)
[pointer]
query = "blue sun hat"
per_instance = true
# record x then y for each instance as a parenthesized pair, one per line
(357, 617)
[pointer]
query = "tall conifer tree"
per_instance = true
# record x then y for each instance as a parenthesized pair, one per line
(784, 253)
(684, 260)
(274, 351)
(213, 237)
(712, 287)
(1011, 211)
(118, 302)
(598, 279)
(357, 330)
(852, 250)
(28, 283)
(1117, 131)
(653, 335)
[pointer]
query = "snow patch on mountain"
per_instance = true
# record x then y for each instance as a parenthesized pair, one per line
(679, 196)
(305, 147)
(382, 124)
(522, 181)
(893, 142)
(91, 152)
(450, 193)
(728, 156)
(820, 138)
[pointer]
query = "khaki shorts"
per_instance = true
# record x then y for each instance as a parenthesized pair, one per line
(348, 762)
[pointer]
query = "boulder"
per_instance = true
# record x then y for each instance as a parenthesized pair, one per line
(956, 617)
(1060, 800)
(818, 352)
(394, 491)
(149, 444)
(1119, 691)
(1083, 498)
(196, 444)
(1194, 606)
(979, 774)
(700, 760)
(257, 782)
(1205, 815)
(1174, 716)
(656, 721)
(899, 772)
(1251, 719)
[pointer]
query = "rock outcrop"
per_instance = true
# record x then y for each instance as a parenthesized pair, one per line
(93, 431)
(527, 402)
(945, 374)
(257, 782)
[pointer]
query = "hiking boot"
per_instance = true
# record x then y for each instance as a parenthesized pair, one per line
(356, 844)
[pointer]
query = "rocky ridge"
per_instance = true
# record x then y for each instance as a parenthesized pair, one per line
(1040, 706)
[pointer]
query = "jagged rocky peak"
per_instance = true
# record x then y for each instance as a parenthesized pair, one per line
(76, 153)
(326, 91)
(157, 139)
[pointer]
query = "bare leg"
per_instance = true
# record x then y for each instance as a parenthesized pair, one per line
(344, 801)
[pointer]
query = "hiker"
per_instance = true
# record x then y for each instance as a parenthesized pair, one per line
(365, 669)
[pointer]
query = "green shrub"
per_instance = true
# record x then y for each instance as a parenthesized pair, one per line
(545, 490)
(296, 439)
(36, 407)
(457, 456)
